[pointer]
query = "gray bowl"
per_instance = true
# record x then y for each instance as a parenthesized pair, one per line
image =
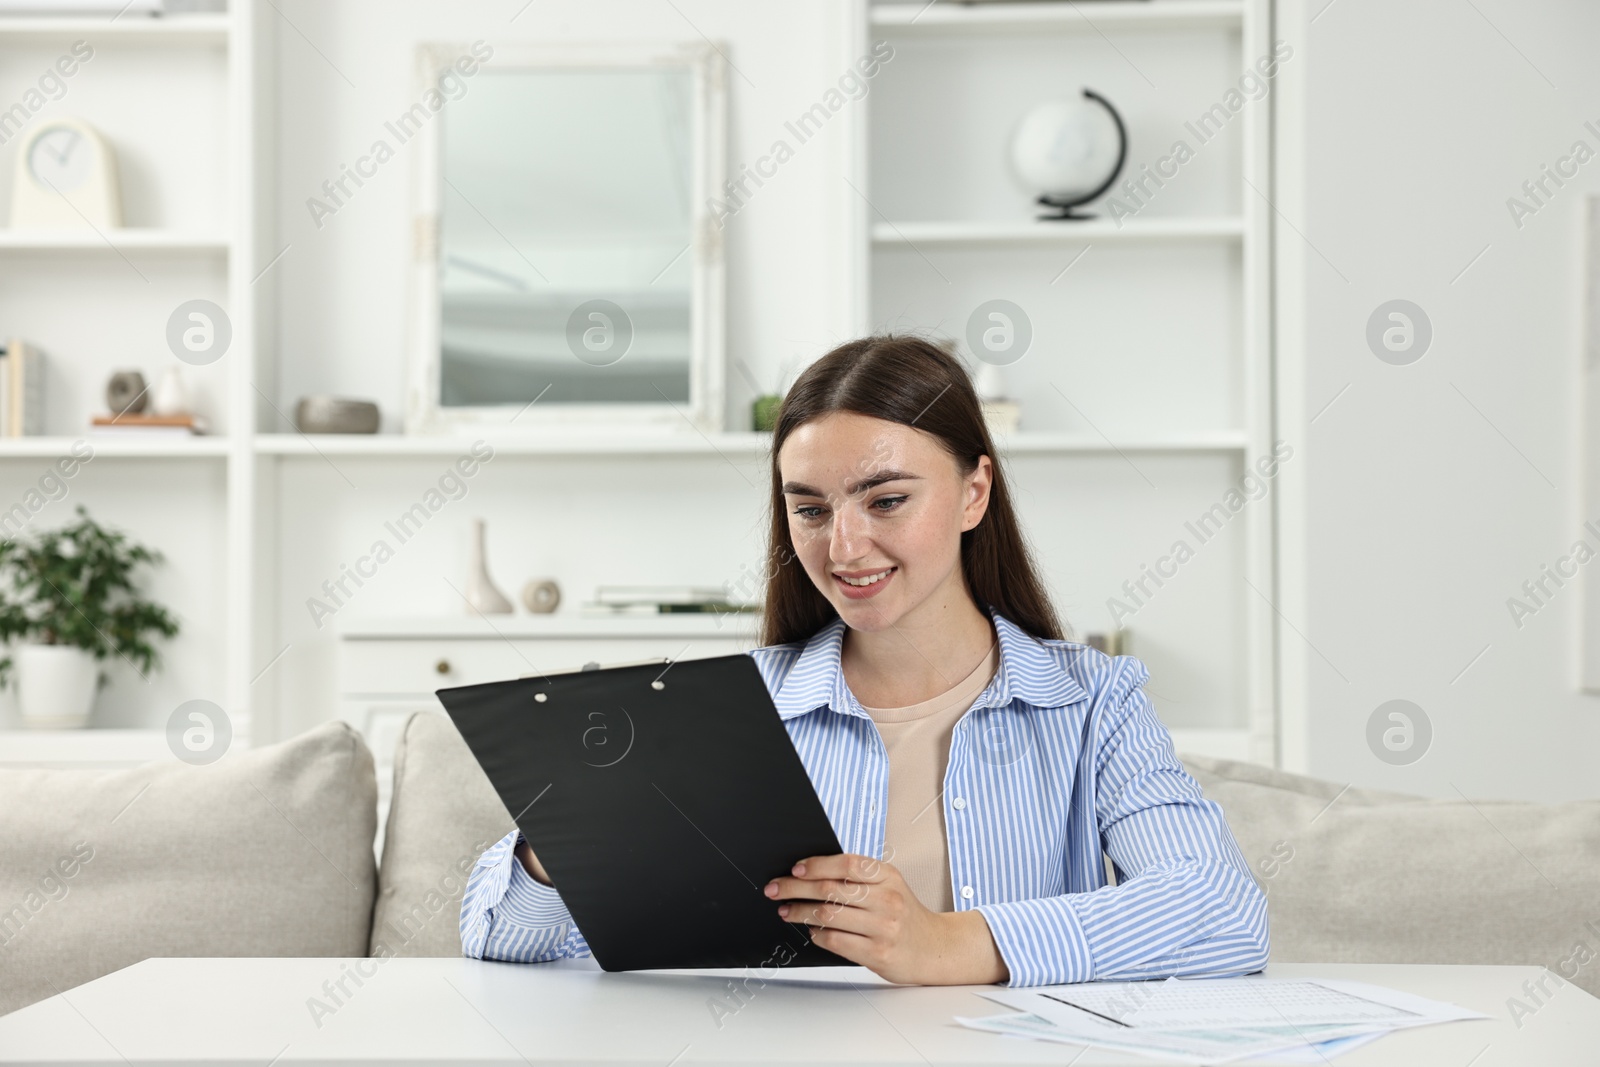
(332, 414)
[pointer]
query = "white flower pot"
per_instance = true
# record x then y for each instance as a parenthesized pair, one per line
(55, 685)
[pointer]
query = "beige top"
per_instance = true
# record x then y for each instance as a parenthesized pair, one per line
(918, 740)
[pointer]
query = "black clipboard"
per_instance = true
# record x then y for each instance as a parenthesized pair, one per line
(660, 798)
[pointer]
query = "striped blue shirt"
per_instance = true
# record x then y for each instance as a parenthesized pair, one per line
(1060, 757)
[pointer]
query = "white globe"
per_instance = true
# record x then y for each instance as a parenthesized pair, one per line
(1065, 149)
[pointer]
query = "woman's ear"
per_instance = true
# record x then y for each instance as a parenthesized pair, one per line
(976, 489)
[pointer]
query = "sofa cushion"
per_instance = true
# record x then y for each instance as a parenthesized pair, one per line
(443, 815)
(1367, 876)
(267, 852)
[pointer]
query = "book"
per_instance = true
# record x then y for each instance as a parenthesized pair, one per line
(701, 608)
(179, 425)
(23, 404)
(659, 594)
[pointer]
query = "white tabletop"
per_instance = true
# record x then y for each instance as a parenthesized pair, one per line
(457, 1011)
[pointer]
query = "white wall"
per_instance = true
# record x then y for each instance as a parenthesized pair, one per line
(1428, 493)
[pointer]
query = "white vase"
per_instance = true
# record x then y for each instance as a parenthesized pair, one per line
(55, 686)
(171, 394)
(482, 594)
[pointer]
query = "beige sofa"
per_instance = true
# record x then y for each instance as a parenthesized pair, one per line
(269, 853)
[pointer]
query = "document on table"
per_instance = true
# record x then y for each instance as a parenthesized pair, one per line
(1214, 1020)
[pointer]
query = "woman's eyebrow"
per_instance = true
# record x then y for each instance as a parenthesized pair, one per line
(878, 479)
(801, 489)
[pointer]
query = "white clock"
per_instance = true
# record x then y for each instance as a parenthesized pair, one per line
(66, 178)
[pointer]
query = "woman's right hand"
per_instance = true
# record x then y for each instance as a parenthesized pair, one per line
(531, 864)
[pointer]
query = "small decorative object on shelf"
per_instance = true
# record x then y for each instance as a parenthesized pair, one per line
(66, 179)
(1069, 152)
(171, 394)
(1002, 414)
(70, 594)
(541, 595)
(482, 594)
(127, 393)
(663, 600)
(764, 412)
(1115, 643)
(332, 414)
(21, 390)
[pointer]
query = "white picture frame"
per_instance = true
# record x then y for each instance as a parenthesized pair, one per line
(704, 412)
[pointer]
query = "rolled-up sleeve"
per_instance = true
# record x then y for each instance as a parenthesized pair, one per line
(507, 915)
(1186, 904)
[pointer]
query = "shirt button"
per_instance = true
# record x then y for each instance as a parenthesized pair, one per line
(966, 892)
(874, 809)
(959, 802)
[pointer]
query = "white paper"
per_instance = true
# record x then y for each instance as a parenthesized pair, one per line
(1229, 1002)
(1213, 1020)
(1322, 1052)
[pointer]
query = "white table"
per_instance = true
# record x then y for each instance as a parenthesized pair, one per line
(456, 1011)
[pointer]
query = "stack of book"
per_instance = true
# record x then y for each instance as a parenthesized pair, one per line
(21, 390)
(176, 425)
(662, 600)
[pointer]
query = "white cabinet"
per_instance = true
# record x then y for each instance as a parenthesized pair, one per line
(390, 668)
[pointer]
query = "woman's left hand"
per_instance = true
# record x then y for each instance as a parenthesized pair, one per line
(861, 909)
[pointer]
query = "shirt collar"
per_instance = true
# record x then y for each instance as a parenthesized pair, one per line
(1029, 672)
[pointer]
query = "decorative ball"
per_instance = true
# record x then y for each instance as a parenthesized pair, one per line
(1065, 149)
(541, 595)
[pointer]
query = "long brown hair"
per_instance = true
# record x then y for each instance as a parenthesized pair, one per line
(914, 382)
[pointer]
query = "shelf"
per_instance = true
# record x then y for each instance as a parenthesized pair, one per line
(1220, 228)
(135, 445)
(496, 627)
(82, 748)
(725, 444)
(201, 30)
(1025, 442)
(950, 18)
(110, 241)
(565, 443)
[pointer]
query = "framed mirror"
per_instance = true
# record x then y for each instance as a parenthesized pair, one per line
(567, 267)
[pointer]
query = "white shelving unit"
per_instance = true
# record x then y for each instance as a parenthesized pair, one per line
(112, 241)
(946, 18)
(1095, 231)
(202, 221)
(733, 444)
(1158, 324)
(176, 98)
(199, 29)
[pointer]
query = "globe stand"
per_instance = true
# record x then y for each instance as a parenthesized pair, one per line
(1062, 210)
(1062, 207)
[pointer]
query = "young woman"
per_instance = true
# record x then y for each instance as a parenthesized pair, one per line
(976, 766)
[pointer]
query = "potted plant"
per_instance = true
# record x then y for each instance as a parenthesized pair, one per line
(69, 596)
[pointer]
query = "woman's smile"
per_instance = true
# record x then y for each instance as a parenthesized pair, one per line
(858, 585)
